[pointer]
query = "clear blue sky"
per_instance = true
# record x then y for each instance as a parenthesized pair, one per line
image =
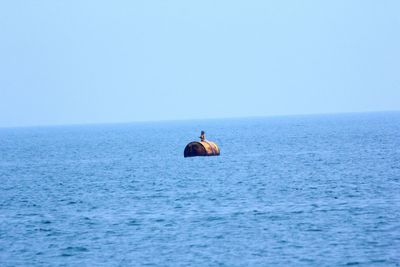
(64, 62)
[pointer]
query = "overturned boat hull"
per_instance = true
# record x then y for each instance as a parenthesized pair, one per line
(203, 148)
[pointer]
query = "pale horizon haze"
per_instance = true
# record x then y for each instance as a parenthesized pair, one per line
(78, 62)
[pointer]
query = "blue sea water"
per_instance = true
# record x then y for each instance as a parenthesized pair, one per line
(286, 191)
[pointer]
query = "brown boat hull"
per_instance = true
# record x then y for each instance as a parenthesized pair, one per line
(204, 148)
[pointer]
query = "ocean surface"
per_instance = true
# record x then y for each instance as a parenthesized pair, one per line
(319, 190)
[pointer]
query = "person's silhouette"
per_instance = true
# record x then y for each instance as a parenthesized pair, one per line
(202, 136)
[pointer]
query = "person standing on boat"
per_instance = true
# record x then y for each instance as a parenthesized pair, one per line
(202, 136)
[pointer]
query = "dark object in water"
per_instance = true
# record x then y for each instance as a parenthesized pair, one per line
(203, 148)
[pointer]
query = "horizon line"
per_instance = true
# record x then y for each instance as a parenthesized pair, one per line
(195, 119)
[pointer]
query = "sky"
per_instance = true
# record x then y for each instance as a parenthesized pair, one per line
(82, 61)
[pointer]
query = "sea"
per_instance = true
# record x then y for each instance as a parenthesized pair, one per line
(315, 190)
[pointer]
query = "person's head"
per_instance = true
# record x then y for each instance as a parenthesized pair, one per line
(202, 132)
